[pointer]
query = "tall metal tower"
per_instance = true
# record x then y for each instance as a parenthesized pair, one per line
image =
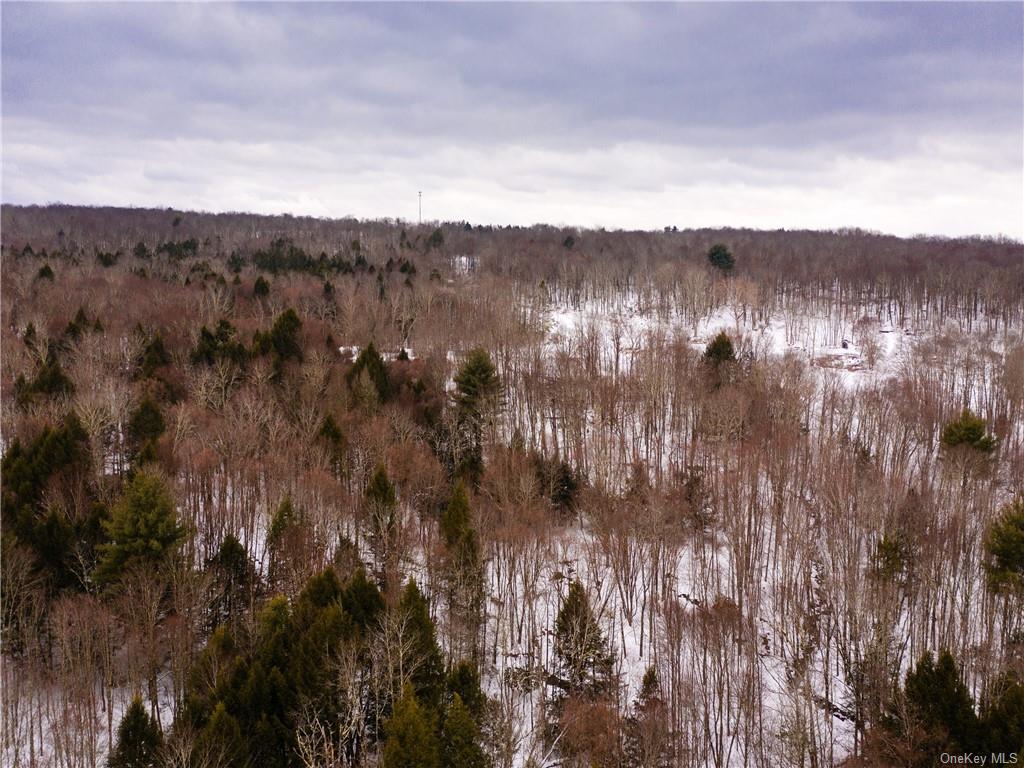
(420, 193)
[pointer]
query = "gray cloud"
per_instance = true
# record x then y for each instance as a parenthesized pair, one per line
(904, 118)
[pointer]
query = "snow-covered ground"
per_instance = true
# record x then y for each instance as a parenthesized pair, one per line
(875, 351)
(856, 355)
(697, 571)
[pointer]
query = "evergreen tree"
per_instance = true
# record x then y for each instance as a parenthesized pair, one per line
(719, 350)
(477, 397)
(1004, 547)
(557, 481)
(330, 434)
(154, 355)
(464, 575)
(428, 675)
(370, 362)
(969, 431)
(284, 517)
(221, 738)
(321, 626)
(584, 659)
(1003, 716)
(49, 380)
(410, 738)
(464, 682)
(363, 601)
(219, 344)
(145, 424)
(460, 738)
(436, 239)
(720, 257)
(138, 739)
(938, 694)
(78, 325)
(258, 688)
(891, 559)
(287, 537)
(477, 385)
(57, 459)
(647, 738)
(382, 508)
(261, 288)
(236, 582)
(936, 708)
(456, 526)
(143, 528)
(281, 342)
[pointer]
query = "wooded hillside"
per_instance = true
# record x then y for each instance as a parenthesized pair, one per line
(282, 491)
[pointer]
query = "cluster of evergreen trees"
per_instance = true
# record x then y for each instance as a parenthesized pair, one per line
(284, 256)
(935, 715)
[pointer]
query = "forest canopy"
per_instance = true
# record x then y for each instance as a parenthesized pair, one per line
(285, 491)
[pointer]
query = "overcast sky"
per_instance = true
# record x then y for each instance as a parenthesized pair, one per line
(900, 118)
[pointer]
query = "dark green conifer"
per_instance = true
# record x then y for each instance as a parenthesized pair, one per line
(937, 709)
(330, 434)
(77, 325)
(143, 528)
(720, 257)
(154, 355)
(464, 577)
(1003, 716)
(236, 581)
(436, 239)
(584, 658)
(464, 681)
(382, 509)
(719, 350)
(428, 675)
(1004, 548)
(146, 423)
(969, 431)
(219, 344)
(370, 362)
(647, 739)
(221, 737)
(138, 739)
(460, 738)
(362, 600)
(56, 458)
(478, 392)
(411, 741)
(477, 385)
(50, 379)
(281, 342)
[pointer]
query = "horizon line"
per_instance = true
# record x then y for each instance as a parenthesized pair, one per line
(841, 230)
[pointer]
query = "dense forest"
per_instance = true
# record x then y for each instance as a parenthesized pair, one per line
(283, 492)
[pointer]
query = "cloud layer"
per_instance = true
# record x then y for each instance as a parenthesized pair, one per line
(901, 118)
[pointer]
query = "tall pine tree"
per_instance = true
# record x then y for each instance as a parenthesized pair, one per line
(934, 714)
(464, 578)
(382, 510)
(584, 658)
(138, 739)
(411, 741)
(460, 738)
(143, 528)
(428, 667)
(477, 398)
